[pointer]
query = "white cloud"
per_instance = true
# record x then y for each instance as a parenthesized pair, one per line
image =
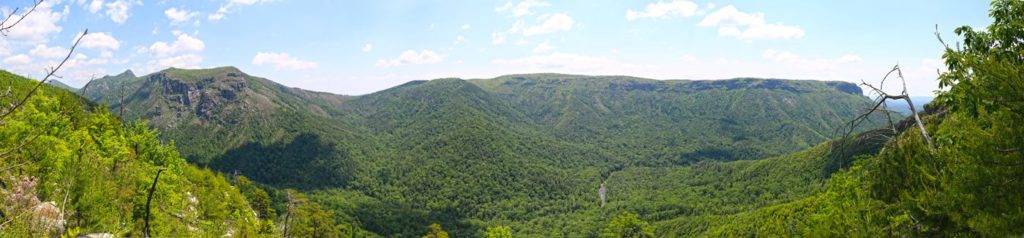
(183, 44)
(179, 15)
(19, 59)
(37, 27)
(459, 40)
(100, 41)
(368, 47)
(412, 57)
(730, 21)
(95, 6)
(522, 8)
(48, 52)
(543, 47)
(224, 9)
(283, 61)
(682, 8)
(466, 27)
(554, 23)
(118, 10)
(178, 61)
(499, 37)
(216, 16)
(75, 71)
(184, 52)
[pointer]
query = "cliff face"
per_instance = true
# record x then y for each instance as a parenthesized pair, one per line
(204, 96)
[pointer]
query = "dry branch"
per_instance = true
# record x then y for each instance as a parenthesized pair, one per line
(5, 27)
(883, 97)
(49, 73)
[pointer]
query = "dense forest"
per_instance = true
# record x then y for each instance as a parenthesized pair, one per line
(218, 152)
(524, 151)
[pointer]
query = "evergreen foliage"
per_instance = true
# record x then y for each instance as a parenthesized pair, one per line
(93, 172)
(968, 185)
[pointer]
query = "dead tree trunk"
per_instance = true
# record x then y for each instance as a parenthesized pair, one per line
(883, 97)
(149, 198)
(287, 213)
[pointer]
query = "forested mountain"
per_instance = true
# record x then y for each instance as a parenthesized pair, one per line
(963, 179)
(528, 151)
(220, 153)
(678, 121)
(60, 84)
(69, 169)
(209, 111)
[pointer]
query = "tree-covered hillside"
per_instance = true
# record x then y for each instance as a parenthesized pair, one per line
(69, 169)
(527, 151)
(681, 121)
(967, 185)
(210, 111)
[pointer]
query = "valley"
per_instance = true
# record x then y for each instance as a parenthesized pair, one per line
(527, 151)
(533, 118)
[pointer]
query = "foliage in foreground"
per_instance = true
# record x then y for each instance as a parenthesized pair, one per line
(68, 171)
(968, 185)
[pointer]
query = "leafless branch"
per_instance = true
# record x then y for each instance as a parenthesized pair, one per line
(883, 96)
(50, 73)
(86, 87)
(5, 27)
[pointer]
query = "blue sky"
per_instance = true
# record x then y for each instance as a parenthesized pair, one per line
(358, 47)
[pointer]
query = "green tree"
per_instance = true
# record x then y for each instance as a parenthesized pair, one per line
(498, 232)
(307, 219)
(985, 71)
(628, 224)
(436, 232)
(257, 197)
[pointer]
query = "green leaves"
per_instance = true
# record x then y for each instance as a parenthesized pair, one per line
(628, 225)
(498, 232)
(968, 186)
(97, 171)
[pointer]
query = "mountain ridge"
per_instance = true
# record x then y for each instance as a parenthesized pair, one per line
(520, 140)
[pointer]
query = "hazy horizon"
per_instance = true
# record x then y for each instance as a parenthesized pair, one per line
(355, 48)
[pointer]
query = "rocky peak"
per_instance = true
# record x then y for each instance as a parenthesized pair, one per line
(126, 73)
(201, 91)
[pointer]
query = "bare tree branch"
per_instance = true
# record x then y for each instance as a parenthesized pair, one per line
(86, 87)
(50, 73)
(883, 96)
(4, 27)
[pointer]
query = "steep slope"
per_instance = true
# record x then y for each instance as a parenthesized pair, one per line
(680, 121)
(482, 160)
(61, 85)
(69, 171)
(528, 150)
(965, 181)
(210, 111)
(109, 89)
